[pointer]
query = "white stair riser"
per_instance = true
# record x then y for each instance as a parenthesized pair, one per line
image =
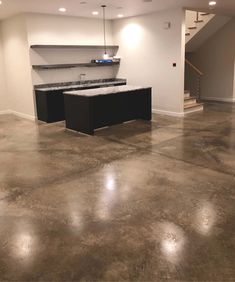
(189, 102)
(194, 109)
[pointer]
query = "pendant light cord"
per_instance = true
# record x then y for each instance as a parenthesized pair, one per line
(104, 25)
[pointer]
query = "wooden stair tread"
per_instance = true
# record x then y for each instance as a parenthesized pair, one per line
(205, 14)
(199, 21)
(187, 33)
(192, 27)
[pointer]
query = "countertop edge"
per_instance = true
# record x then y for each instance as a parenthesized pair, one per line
(84, 85)
(131, 88)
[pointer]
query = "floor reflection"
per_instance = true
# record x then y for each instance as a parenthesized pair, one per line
(76, 219)
(25, 243)
(205, 218)
(110, 182)
(75, 216)
(108, 196)
(172, 242)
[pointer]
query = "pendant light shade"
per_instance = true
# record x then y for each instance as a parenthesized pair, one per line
(105, 56)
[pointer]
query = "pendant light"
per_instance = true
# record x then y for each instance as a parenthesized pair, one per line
(105, 56)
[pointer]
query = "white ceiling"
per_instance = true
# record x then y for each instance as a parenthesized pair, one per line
(129, 7)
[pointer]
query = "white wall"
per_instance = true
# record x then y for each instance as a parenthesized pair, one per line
(50, 29)
(216, 58)
(21, 31)
(148, 52)
(62, 30)
(66, 56)
(17, 66)
(3, 90)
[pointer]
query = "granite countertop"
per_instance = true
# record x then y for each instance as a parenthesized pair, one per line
(79, 84)
(105, 90)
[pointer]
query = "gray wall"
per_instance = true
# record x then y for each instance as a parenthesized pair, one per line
(215, 58)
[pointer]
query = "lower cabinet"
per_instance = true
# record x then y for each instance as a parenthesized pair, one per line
(50, 104)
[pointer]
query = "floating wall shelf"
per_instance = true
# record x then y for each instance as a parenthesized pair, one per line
(73, 47)
(75, 65)
(69, 66)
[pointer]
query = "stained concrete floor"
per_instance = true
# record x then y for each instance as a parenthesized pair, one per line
(138, 202)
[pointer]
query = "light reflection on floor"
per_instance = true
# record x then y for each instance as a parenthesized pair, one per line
(172, 240)
(24, 245)
(76, 220)
(107, 196)
(205, 218)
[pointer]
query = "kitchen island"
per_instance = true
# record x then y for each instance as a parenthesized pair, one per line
(87, 110)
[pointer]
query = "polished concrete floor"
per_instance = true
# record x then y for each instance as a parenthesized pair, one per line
(139, 201)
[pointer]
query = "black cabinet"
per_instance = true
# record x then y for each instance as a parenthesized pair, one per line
(50, 104)
(85, 114)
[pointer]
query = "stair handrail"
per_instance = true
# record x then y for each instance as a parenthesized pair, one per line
(194, 67)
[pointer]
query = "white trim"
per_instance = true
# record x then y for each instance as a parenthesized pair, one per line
(18, 114)
(25, 116)
(225, 100)
(5, 112)
(168, 113)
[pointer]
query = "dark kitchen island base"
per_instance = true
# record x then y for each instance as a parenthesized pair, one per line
(88, 110)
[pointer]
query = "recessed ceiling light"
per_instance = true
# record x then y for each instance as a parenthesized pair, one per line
(63, 10)
(95, 13)
(120, 16)
(0, 2)
(212, 3)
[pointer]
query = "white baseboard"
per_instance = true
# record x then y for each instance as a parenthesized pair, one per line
(216, 99)
(5, 112)
(25, 116)
(168, 113)
(18, 114)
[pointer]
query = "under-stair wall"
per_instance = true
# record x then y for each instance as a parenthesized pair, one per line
(195, 22)
(211, 24)
(216, 59)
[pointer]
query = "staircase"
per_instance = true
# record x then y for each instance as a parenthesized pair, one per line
(199, 27)
(190, 103)
(195, 21)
